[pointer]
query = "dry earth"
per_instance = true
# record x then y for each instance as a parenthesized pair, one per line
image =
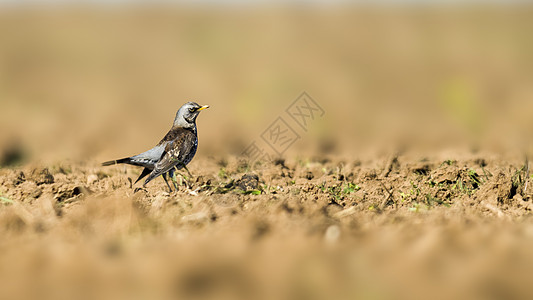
(394, 227)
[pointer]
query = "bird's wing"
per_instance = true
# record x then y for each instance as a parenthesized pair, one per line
(144, 173)
(148, 158)
(175, 152)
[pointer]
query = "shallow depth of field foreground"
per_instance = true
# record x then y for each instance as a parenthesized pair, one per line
(414, 183)
(300, 229)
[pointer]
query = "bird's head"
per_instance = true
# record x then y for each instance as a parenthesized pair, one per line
(186, 115)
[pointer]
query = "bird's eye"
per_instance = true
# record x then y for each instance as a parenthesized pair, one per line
(192, 109)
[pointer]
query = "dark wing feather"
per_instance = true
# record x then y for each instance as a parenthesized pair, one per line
(144, 173)
(175, 152)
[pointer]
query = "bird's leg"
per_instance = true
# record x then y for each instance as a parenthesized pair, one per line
(165, 177)
(185, 167)
(172, 175)
(185, 177)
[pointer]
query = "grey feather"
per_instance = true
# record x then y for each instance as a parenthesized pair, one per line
(175, 150)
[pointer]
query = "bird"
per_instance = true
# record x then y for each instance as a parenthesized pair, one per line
(173, 152)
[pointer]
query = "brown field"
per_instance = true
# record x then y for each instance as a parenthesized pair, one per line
(414, 184)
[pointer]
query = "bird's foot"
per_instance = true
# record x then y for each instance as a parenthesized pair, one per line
(140, 189)
(186, 169)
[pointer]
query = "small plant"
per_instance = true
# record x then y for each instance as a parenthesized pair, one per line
(403, 196)
(5, 200)
(448, 162)
(414, 208)
(335, 191)
(340, 191)
(266, 188)
(415, 191)
(243, 168)
(222, 173)
(350, 188)
(519, 179)
(430, 200)
(474, 178)
(252, 192)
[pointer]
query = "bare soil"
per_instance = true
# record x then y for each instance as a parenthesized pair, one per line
(393, 227)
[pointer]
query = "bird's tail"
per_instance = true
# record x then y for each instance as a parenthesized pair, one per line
(118, 161)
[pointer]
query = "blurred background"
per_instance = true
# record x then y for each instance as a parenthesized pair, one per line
(97, 81)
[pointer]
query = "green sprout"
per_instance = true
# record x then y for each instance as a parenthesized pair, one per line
(222, 173)
(350, 188)
(6, 200)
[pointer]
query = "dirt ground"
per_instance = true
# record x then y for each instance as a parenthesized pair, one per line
(412, 185)
(394, 227)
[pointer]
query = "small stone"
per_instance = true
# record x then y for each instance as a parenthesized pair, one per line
(92, 178)
(332, 235)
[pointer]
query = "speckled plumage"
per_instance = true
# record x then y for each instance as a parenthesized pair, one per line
(174, 151)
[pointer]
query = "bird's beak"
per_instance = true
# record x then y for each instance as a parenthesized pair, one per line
(203, 107)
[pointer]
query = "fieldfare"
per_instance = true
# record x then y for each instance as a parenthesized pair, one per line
(173, 152)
